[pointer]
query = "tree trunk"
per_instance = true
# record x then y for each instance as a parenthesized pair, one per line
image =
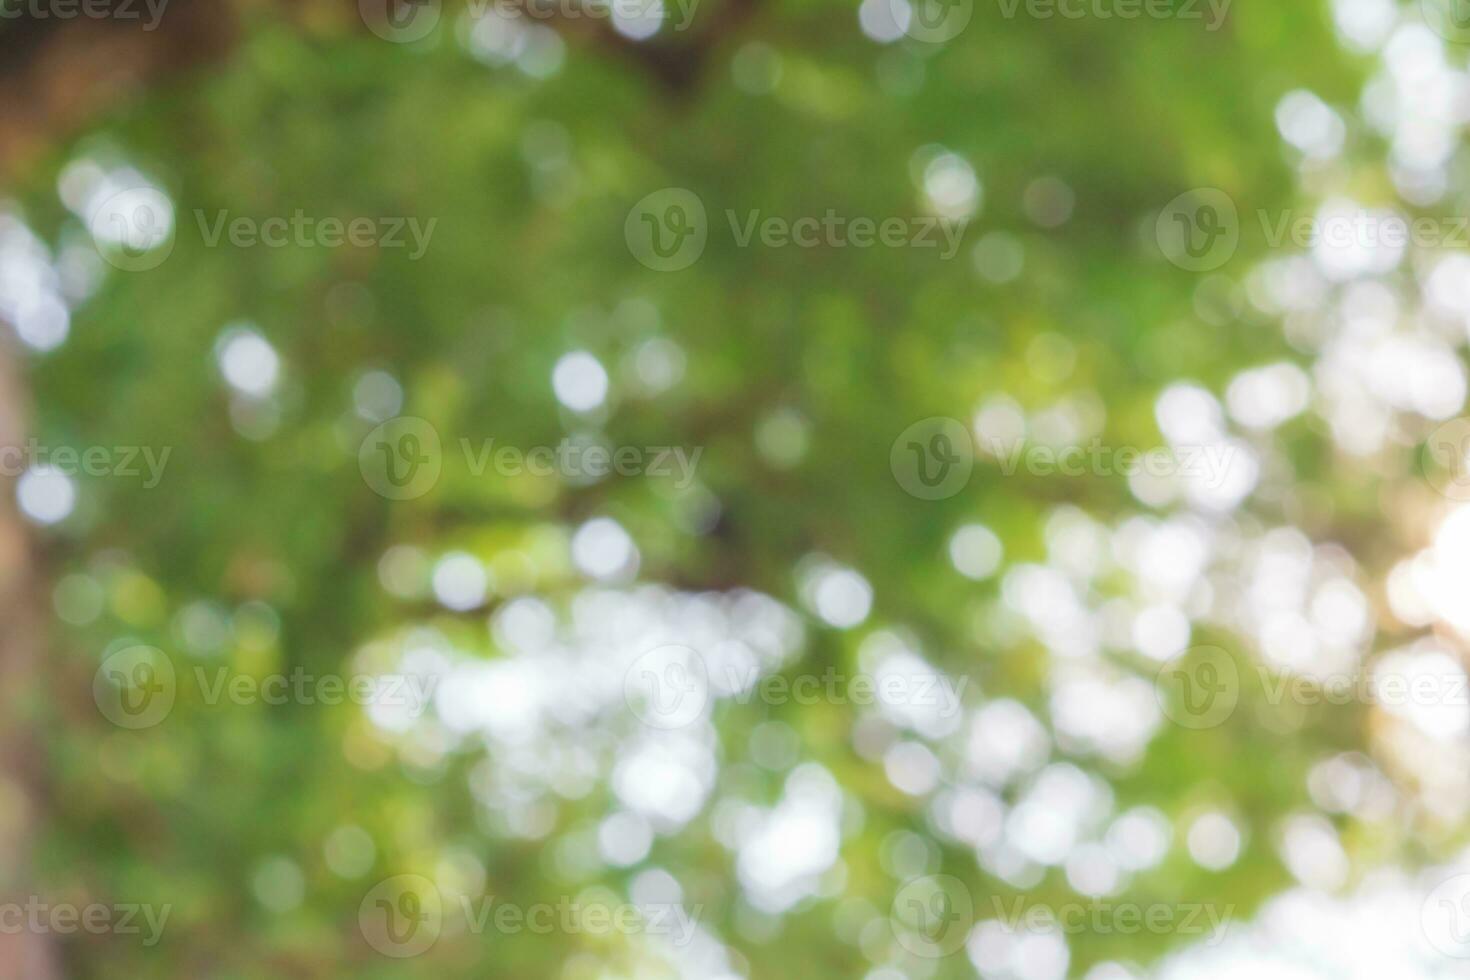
(25, 955)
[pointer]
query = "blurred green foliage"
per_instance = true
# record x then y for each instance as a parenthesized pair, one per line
(528, 261)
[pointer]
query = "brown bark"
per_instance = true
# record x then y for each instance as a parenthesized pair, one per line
(26, 954)
(59, 73)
